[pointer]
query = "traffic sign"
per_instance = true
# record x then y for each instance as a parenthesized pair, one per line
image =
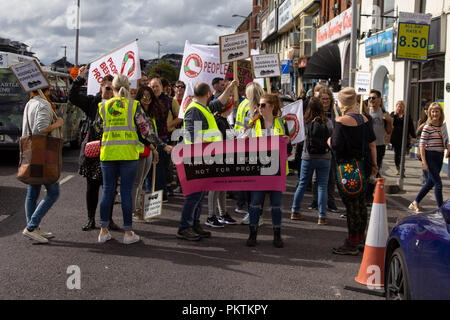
(285, 64)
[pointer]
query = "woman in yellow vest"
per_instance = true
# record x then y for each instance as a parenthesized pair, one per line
(122, 118)
(267, 123)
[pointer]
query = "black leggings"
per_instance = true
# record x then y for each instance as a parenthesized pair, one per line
(92, 191)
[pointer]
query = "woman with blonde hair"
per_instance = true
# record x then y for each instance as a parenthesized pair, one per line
(353, 139)
(120, 148)
(397, 133)
(433, 141)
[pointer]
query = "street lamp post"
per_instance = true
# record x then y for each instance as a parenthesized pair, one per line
(250, 25)
(78, 34)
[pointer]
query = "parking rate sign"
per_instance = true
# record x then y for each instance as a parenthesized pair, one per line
(412, 41)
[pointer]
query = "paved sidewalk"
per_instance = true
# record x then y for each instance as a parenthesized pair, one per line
(397, 204)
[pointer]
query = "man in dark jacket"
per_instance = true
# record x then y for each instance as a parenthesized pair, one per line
(90, 167)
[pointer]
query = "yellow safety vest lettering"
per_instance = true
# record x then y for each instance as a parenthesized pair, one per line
(119, 140)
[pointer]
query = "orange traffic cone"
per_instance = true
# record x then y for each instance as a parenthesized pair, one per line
(371, 272)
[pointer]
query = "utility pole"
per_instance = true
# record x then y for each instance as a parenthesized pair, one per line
(78, 34)
(353, 40)
(65, 58)
(159, 46)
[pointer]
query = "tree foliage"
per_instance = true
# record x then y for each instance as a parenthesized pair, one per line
(165, 70)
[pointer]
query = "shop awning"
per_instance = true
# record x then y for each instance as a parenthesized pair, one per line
(324, 64)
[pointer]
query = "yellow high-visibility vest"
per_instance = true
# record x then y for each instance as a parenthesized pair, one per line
(241, 113)
(277, 131)
(212, 133)
(120, 140)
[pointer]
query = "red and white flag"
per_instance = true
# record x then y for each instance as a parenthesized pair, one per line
(124, 60)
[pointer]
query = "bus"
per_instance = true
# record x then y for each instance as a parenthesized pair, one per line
(13, 100)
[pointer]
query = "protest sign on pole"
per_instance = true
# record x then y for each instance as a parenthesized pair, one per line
(124, 60)
(293, 115)
(200, 64)
(266, 65)
(244, 74)
(30, 76)
(234, 47)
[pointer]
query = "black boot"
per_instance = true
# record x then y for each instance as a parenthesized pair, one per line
(90, 225)
(251, 242)
(277, 241)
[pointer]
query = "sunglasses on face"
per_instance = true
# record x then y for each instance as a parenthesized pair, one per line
(108, 88)
(372, 98)
(261, 105)
(180, 87)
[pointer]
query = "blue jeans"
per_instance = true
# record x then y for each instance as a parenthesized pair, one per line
(434, 161)
(192, 208)
(322, 167)
(111, 170)
(35, 213)
(257, 203)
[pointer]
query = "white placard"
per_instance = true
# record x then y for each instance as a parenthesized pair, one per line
(293, 115)
(153, 204)
(200, 64)
(234, 47)
(266, 65)
(30, 76)
(413, 17)
(363, 82)
(124, 60)
(3, 60)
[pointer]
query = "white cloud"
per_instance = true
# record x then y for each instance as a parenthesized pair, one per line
(105, 25)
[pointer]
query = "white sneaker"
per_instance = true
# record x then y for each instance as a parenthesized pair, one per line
(46, 235)
(242, 211)
(34, 235)
(246, 219)
(131, 239)
(104, 238)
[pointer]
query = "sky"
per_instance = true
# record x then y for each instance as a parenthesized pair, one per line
(48, 25)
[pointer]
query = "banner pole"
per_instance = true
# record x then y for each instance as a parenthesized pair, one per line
(236, 77)
(269, 86)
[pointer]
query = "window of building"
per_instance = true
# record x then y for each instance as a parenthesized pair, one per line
(423, 6)
(388, 10)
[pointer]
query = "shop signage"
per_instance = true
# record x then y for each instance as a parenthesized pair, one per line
(335, 28)
(379, 44)
(284, 14)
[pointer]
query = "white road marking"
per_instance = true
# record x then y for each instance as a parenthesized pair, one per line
(3, 217)
(337, 292)
(66, 179)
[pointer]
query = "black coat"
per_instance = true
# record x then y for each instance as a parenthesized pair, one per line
(89, 168)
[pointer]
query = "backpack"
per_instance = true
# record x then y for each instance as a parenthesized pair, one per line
(317, 135)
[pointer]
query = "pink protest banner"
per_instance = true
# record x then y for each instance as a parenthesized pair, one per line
(254, 164)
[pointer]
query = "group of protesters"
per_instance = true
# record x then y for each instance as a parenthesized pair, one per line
(135, 127)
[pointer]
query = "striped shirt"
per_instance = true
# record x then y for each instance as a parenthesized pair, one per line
(434, 138)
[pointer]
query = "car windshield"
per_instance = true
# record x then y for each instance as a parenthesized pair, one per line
(12, 101)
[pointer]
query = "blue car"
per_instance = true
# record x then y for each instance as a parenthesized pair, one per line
(417, 260)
